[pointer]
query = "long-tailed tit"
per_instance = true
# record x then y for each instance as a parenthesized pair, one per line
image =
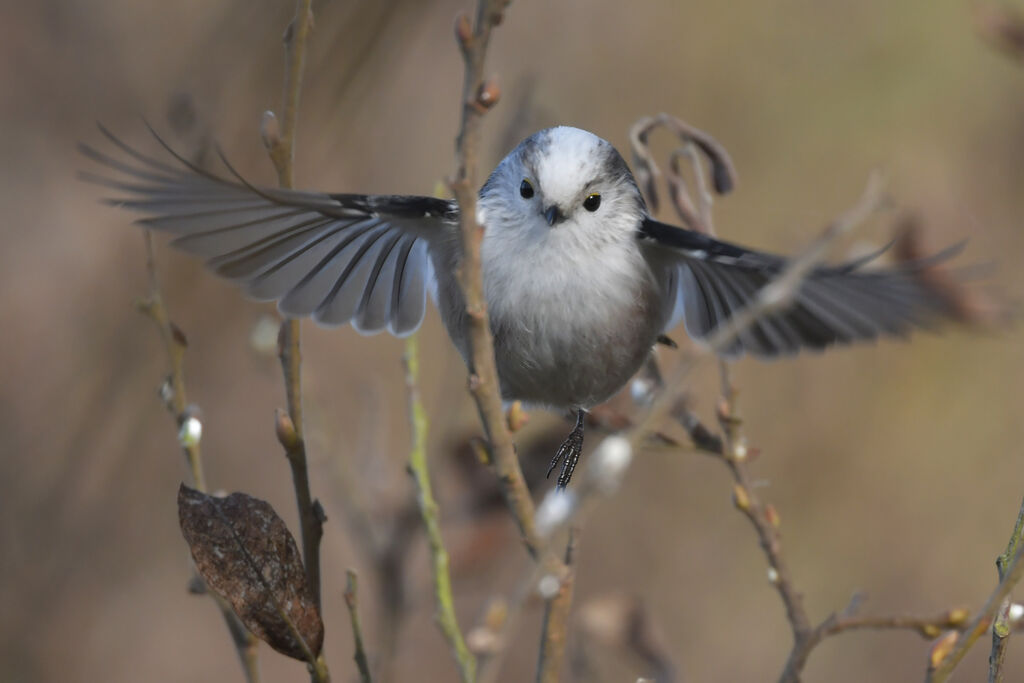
(580, 280)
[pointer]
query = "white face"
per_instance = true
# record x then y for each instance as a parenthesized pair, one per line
(563, 184)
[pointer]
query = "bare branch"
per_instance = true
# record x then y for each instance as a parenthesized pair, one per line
(445, 614)
(477, 97)
(555, 627)
(647, 171)
(173, 389)
(1015, 571)
(352, 603)
(1002, 626)
(280, 143)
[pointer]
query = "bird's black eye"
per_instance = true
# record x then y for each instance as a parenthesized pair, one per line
(525, 189)
(592, 202)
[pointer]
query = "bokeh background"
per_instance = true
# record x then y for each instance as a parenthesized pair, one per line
(897, 469)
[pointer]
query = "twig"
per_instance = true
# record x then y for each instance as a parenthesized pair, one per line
(280, 143)
(1002, 626)
(981, 622)
(613, 455)
(173, 394)
(556, 512)
(555, 627)
(352, 602)
(445, 614)
(723, 174)
(477, 97)
(282, 146)
(173, 390)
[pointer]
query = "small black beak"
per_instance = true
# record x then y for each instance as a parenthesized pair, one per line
(553, 215)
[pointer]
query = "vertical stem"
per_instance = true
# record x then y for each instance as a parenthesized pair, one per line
(1001, 628)
(555, 628)
(445, 614)
(281, 146)
(352, 602)
(483, 381)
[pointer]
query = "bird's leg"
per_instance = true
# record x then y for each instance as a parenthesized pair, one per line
(568, 453)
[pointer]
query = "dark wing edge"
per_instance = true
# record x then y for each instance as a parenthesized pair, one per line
(710, 280)
(339, 258)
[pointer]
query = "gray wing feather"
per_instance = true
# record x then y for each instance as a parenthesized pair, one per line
(709, 281)
(362, 259)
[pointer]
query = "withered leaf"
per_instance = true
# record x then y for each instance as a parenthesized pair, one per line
(244, 552)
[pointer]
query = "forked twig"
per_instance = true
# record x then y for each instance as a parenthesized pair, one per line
(173, 394)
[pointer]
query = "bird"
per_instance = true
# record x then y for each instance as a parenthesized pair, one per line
(580, 280)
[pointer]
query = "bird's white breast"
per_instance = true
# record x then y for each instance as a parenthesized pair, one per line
(571, 318)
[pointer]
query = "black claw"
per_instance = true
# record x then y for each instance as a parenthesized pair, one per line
(568, 454)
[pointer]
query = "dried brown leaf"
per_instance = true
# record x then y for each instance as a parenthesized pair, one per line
(244, 552)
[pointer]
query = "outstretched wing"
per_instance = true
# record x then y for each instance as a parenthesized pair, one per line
(336, 257)
(710, 280)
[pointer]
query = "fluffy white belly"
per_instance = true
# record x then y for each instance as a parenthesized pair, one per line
(568, 335)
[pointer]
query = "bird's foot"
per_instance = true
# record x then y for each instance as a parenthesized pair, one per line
(568, 454)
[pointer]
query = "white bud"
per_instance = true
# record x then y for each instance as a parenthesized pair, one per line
(548, 586)
(641, 390)
(1015, 612)
(166, 391)
(263, 335)
(739, 449)
(191, 432)
(773, 575)
(554, 510)
(609, 463)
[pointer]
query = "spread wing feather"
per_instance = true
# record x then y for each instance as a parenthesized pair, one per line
(710, 280)
(340, 258)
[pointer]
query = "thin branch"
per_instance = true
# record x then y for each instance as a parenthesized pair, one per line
(282, 149)
(445, 614)
(173, 394)
(173, 390)
(613, 455)
(981, 622)
(555, 627)
(280, 143)
(647, 171)
(1002, 627)
(477, 97)
(352, 603)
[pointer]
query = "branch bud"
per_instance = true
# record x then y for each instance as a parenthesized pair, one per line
(548, 586)
(772, 515)
(941, 649)
(463, 30)
(190, 432)
(285, 430)
(740, 450)
(178, 336)
(958, 616)
(481, 450)
(270, 130)
(516, 417)
(740, 498)
(487, 96)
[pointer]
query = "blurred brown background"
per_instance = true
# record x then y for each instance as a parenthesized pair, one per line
(897, 469)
